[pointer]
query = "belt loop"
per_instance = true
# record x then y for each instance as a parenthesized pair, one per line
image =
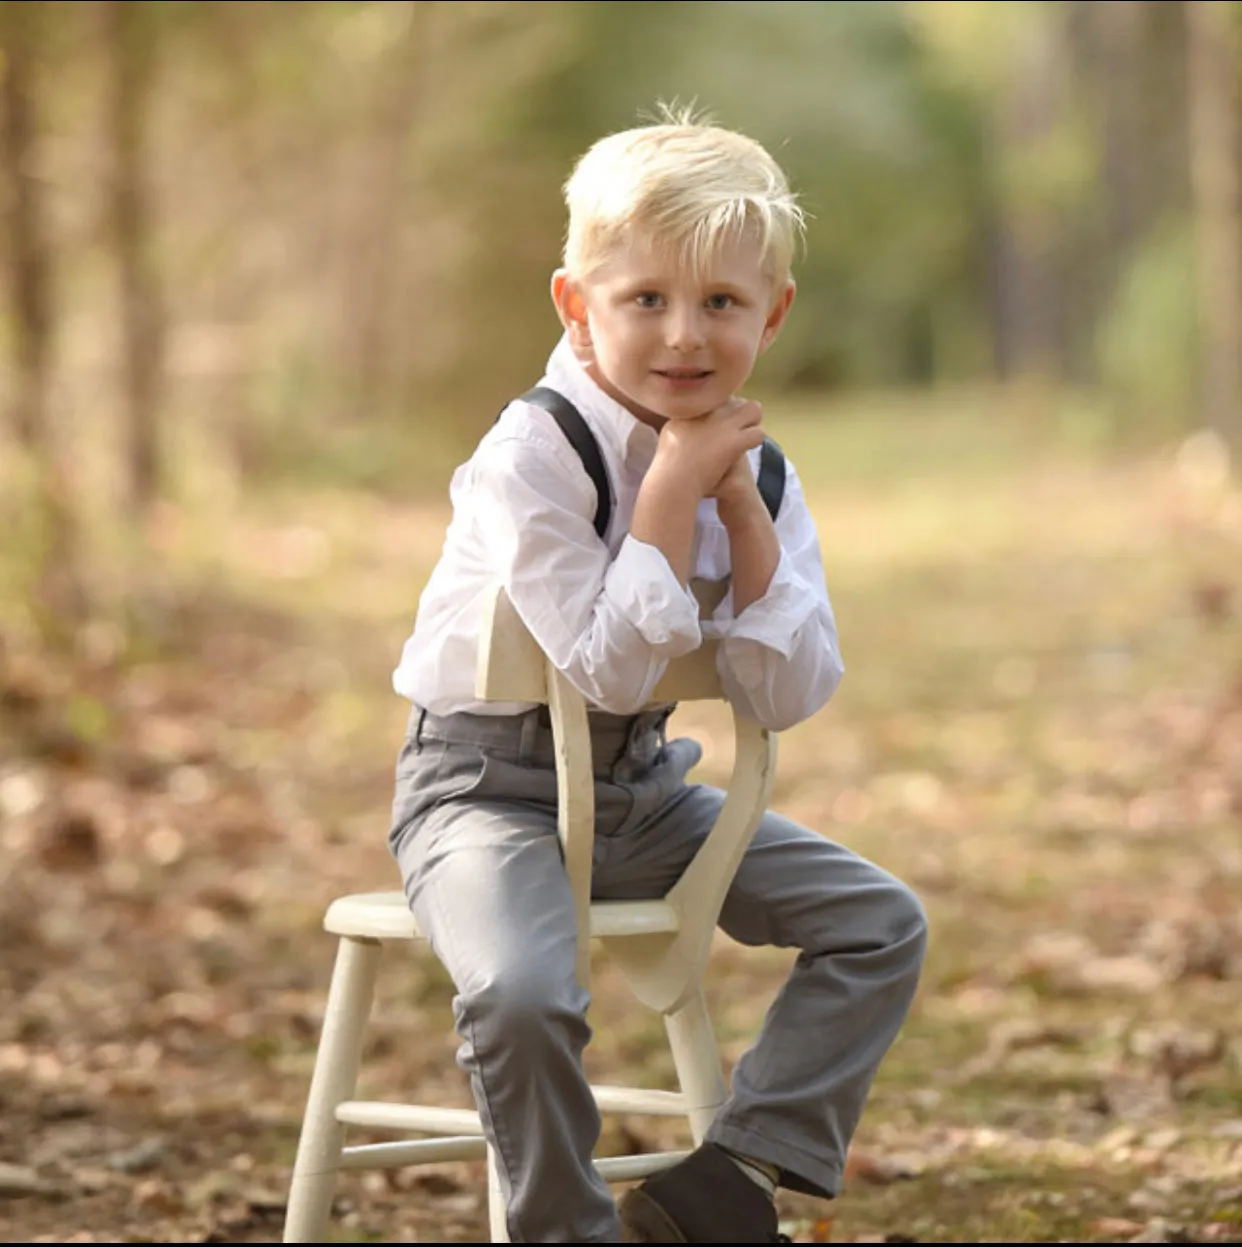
(529, 736)
(418, 730)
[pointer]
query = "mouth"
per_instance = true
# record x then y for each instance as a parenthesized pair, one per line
(683, 374)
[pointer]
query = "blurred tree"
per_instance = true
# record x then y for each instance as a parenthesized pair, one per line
(477, 319)
(130, 35)
(1215, 150)
(379, 180)
(1135, 247)
(227, 34)
(29, 279)
(1031, 149)
(48, 524)
(358, 204)
(883, 148)
(252, 122)
(1109, 41)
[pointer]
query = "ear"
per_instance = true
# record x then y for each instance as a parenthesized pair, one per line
(571, 308)
(776, 317)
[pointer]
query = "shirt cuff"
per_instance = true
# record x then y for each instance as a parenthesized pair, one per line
(642, 588)
(773, 620)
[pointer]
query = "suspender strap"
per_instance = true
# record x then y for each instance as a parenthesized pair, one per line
(583, 441)
(771, 481)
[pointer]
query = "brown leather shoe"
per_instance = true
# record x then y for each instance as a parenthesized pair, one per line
(705, 1198)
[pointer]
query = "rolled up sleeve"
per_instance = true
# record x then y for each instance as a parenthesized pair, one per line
(642, 588)
(610, 624)
(780, 659)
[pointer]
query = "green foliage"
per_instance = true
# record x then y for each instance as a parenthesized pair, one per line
(357, 205)
(1147, 348)
(87, 719)
(882, 146)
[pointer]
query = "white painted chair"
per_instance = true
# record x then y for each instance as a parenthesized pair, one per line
(660, 946)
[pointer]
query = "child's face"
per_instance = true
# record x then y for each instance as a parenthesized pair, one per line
(666, 342)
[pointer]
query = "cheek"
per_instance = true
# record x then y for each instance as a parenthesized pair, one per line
(745, 343)
(615, 339)
(741, 347)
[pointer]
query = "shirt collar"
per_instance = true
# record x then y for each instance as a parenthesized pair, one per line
(622, 429)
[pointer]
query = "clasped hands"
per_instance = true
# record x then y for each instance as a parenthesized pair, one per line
(709, 452)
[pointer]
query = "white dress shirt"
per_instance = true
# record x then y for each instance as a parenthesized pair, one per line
(609, 613)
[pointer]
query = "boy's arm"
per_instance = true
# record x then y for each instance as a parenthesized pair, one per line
(610, 622)
(664, 517)
(693, 460)
(754, 548)
(779, 660)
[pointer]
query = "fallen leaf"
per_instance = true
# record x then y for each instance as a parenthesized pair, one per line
(71, 842)
(1112, 1227)
(143, 1156)
(20, 1180)
(879, 1170)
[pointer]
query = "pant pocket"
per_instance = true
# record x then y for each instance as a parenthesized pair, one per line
(428, 775)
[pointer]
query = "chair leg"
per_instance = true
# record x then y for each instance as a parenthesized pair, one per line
(333, 1081)
(697, 1060)
(497, 1220)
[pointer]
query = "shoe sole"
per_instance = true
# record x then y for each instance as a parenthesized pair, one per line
(645, 1221)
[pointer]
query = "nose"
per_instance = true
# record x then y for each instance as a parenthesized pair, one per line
(684, 329)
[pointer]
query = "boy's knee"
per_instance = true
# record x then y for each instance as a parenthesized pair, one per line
(527, 1004)
(905, 920)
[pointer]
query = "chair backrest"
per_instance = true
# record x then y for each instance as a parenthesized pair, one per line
(513, 668)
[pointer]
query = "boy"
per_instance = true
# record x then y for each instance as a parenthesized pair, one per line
(675, 278)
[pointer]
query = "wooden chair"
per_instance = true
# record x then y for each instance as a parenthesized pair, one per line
(660, 946)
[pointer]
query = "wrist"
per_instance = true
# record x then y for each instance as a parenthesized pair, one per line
(741, 505)
(664, 516)
(672, 474)
(677, 474)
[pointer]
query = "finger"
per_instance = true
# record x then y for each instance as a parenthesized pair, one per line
(728, 412)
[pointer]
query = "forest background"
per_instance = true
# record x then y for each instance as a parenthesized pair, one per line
(270, 269)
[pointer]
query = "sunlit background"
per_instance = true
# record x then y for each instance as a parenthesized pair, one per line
(305, 232)
(270, 269)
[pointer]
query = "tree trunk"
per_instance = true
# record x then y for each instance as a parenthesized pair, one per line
(130, 40)
(1214, 166)
(234, 33)
(27, 255)
(1027, 296)
(1119, 28)
(376, 259)
(58, 588)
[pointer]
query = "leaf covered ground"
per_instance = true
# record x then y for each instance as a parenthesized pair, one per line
(1040, 729)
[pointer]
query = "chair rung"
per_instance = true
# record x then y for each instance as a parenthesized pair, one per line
(386, 916)
(418, 1117)
(413, 1152)
(629, 1168)
(466, 1147)
(428, 1119)
(637, 1100)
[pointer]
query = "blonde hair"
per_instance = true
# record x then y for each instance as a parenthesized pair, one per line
(687, 183)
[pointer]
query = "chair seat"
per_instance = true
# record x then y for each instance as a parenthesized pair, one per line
(386, 916)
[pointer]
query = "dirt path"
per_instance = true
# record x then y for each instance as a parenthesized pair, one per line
(1041, 728)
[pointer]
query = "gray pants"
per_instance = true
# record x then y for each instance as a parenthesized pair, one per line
(474, 833)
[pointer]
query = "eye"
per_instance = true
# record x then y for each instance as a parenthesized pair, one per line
(647, 299)
(720, 302)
